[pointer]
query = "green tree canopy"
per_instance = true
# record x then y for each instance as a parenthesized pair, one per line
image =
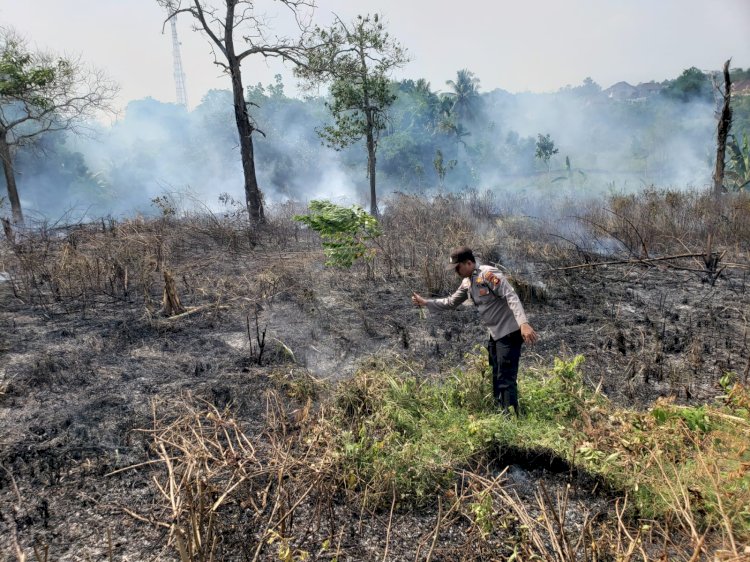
(41, 93)
(356, 59)
(545, 149)
(691, 85)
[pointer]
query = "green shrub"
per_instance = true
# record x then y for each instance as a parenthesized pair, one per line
(344, 231)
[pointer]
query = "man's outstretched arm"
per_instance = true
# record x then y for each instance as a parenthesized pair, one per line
(447, 303)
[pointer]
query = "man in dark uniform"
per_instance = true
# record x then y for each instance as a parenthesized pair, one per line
(500, 310)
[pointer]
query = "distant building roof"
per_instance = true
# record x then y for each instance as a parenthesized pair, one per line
(622, 91)
(649, 88)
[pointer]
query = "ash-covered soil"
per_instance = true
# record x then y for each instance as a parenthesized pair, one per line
(76, 387)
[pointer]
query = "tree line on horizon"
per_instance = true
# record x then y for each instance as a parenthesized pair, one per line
(415, 137)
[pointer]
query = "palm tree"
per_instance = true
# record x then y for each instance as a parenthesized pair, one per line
(422, 87)
(465, 96)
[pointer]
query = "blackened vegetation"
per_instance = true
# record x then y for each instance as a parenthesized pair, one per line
(85, 349)
(257, 346)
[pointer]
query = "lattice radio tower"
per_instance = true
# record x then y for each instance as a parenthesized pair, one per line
(179, 74)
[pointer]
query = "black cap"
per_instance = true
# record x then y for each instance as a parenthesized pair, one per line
(461, 254)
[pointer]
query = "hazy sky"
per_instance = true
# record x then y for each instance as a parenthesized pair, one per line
(535, 45)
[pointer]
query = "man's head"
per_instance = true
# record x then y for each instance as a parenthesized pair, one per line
(462, 260)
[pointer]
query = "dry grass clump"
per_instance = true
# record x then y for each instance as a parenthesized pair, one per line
(73, 268)
(76, 268)
(654, 222)
(419, 233)
(225, 495)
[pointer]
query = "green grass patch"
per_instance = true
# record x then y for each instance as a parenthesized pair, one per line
(408, 434)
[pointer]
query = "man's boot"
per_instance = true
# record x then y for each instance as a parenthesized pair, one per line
(513, 400)
(503, 401)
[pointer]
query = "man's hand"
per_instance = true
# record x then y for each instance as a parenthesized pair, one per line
(418, 300)
(528, 334)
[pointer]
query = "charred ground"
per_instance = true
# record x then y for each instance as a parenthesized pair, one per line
(88, 363)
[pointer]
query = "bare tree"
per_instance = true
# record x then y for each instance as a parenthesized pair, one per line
(222, 22)
(722, 131)
(41, 93)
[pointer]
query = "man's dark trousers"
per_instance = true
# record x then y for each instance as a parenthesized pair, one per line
(504, 356)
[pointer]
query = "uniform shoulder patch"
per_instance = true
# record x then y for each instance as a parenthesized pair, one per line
(492, 278)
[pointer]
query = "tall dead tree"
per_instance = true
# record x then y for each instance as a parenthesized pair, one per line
(722, 132)
(222, 22)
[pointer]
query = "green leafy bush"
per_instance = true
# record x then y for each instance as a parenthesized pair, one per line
(344, 231)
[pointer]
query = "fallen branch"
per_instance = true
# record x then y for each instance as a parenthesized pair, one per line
(194, 310)
(150, 521)
(642, 261)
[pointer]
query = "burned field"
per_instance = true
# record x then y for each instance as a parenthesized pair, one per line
(253, 422)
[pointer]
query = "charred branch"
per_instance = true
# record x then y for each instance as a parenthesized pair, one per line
(650, 261)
